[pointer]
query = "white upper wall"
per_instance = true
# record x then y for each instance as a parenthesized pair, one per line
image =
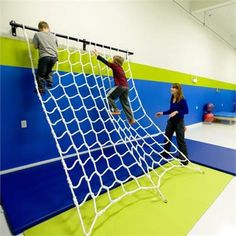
(158, 32)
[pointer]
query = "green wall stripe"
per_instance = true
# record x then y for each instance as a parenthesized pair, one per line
(146, 72)
(14, 52)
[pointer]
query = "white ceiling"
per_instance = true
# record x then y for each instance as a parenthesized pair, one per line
(217, 15)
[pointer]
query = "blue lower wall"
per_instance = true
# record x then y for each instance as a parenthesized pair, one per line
(19, 102)
(155, 96)
(35, 143)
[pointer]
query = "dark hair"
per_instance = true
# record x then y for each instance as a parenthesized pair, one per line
(179, 94)
(43, 25)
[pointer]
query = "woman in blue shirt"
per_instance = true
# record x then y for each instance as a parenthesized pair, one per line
(178, 108)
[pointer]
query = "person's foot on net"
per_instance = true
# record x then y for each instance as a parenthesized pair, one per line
(165, 154)
(132, 121)
(49, 85)
(115, 112)
(183, 160)
(41, 91)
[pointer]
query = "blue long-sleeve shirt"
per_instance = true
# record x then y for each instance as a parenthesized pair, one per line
(181, 107)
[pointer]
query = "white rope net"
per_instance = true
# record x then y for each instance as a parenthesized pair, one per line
(100, 152)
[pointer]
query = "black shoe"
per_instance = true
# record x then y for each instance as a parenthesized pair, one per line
(49, 85)
(41, 91)
(183, 160)
(165, 154)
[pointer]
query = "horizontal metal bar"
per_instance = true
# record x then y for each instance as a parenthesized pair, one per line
(15, 25)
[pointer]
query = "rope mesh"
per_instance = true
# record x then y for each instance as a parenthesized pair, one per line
(104, 150)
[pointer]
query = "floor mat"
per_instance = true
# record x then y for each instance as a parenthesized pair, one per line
(189, 195)
(213, 156)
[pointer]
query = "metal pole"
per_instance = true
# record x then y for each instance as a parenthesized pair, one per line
(15, 25)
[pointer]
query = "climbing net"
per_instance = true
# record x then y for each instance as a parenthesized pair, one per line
(100, 152)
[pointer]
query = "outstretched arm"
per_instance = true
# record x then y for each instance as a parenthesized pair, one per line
(100, 58)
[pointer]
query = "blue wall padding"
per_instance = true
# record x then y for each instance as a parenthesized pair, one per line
(155, 96)
(35, 143)
(33, 194)
(19, 102)
(213, 156)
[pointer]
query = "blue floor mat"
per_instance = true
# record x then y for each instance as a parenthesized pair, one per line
(35, 194)
(213, 156)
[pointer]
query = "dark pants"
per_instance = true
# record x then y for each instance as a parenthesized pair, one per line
(44, 73)
(123, 94)
(177, 126)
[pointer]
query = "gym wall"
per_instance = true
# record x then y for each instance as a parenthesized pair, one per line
(35, 143)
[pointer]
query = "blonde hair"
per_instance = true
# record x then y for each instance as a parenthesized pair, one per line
(119, 60)
(179, 94)
(43, 25)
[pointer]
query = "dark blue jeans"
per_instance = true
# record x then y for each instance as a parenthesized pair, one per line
(44, 73)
